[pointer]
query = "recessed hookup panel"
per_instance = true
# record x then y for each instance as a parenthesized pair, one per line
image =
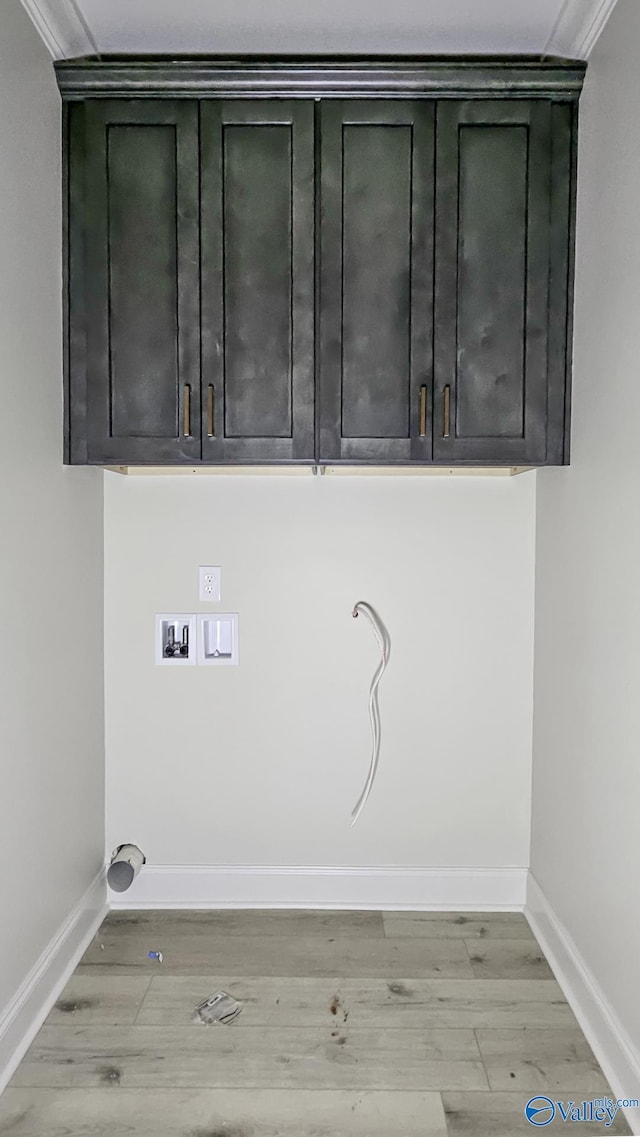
(175, 644)
(218, 639)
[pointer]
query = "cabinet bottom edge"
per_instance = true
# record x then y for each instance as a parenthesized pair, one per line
(309, 471)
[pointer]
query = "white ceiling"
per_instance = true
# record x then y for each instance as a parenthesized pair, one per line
(559, 27)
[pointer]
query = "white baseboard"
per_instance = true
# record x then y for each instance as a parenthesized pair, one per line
(389, 887)
(604, 1032)
(26, 1012)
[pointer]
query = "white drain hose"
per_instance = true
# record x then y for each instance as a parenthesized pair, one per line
(384, 642)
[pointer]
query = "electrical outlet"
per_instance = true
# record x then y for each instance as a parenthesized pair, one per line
(210, 581)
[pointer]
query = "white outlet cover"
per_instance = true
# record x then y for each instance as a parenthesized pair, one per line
(210, 583)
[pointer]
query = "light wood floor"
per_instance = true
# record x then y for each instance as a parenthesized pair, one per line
(355, 1024)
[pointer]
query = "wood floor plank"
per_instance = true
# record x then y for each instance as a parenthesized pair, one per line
(352, 1023)
(392, 1004)
(458, 925)
(507, 959)
(540, 1060)
(126, 950)
(248, 922)
(220, 1113)
(108, 999)
(502, 1115)
(219, 1057)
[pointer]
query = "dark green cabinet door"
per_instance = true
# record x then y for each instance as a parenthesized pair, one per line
(376, 281)
(257, 281)
(140, 228)
(492, 259)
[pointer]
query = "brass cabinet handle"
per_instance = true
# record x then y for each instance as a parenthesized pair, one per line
(446, 412)
(187, 410)
(210, 426)
(423, 412)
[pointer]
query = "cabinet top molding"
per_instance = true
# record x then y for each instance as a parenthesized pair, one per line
(454, 77)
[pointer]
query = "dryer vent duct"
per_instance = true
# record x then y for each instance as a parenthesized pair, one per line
(126, 862)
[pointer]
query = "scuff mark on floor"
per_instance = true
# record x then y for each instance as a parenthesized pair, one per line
(220, 1131)
(70, 1006)
(400, 989)
(110, 1075)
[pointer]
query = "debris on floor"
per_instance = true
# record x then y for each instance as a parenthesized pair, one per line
(155, 955)
(218, 1008)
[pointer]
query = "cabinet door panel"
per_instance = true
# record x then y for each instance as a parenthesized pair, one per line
(492, 270)
(257, 281)
(141, 233)
(376, 224)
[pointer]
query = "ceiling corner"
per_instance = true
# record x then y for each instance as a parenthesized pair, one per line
(60, 27)
(578, 27)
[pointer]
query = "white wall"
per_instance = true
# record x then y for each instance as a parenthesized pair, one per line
(261, 764)
(587, 708)
(51, 685)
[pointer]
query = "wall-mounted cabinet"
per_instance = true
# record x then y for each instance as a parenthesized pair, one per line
(319, 263)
